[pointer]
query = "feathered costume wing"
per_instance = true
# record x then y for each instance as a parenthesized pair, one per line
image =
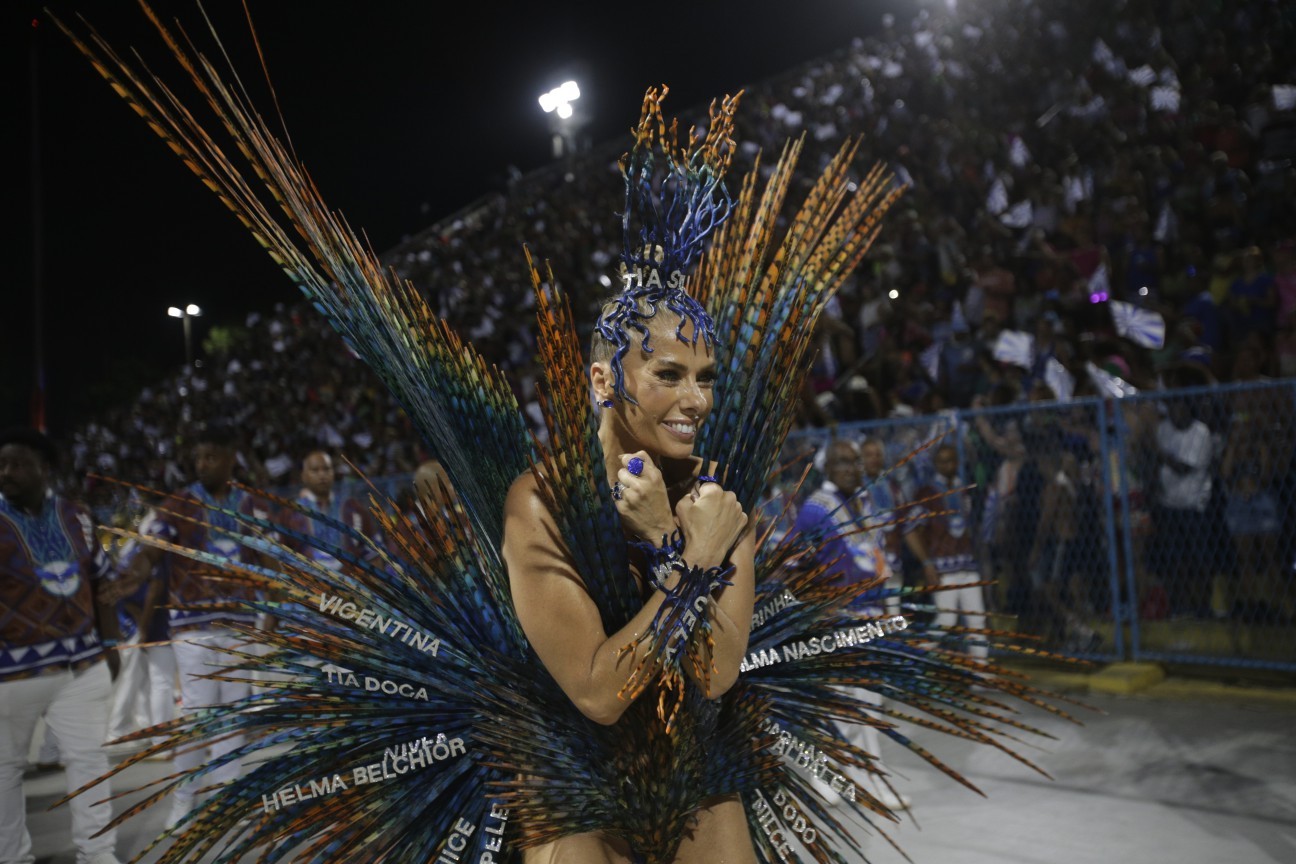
(466, 749)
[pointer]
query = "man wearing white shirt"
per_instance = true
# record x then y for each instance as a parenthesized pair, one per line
(1185, 450)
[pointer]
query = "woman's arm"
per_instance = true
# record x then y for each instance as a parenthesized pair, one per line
(557, 614)
(730, 617)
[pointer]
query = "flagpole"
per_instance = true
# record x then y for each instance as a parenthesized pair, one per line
(37, 408)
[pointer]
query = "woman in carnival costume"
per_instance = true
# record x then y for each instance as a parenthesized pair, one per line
(592, 657)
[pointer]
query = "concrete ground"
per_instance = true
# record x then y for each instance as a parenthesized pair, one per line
(1168, 772)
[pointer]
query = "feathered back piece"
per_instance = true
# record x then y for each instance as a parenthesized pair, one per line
(766, 282)
(464, 409)
(666, 223)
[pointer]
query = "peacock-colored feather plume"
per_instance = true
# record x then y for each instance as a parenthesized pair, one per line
(468, 731)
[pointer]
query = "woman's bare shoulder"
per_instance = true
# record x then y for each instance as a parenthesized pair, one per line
(526, 499)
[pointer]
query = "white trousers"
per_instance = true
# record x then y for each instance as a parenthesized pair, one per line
(198, 653)
(75, 706)
(161, 663)
(967, 601)
(864, 736)
(129, 707)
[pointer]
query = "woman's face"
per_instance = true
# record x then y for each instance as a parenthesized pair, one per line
(672, 386)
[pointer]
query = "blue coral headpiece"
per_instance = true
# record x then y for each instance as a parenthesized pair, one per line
(666, 223)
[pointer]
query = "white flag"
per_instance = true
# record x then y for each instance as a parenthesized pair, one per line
(1143, 327)
(1018, 154)
(1143, 75)
(1108, 384)
(1059, 380)
(997, 199)
(930, 359)
(1019, 216)
(1109, 61)
(1284, 97)
(1167, 226)
(1099, 286)
(1015, 347)
(1165, 99)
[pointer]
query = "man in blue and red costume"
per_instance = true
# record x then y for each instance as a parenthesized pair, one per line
(320, 494)
(198, 596)
(52, 651)
(833, 511)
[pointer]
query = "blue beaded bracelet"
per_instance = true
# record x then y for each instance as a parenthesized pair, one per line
(662, 559)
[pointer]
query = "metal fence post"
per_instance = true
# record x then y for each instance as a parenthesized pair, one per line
(1127, 539)
(1109, 518)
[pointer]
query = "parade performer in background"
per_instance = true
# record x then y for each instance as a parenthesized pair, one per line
(320, 494)
(152, 621)
(948, 537)
(838, 511)
(589, 659)
(55, 623)
(201, 604)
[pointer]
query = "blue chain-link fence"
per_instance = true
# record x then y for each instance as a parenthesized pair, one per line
(1159, 526)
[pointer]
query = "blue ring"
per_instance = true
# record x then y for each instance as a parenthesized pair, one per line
(706, 478)
(635, 466)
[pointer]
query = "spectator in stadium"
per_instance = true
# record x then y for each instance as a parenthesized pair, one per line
(1252, 303)
(194, 519)
(55, 625)
(958, 364)
(1057, 561)
(1185, 452)
(1260, 430)
(1003, 451)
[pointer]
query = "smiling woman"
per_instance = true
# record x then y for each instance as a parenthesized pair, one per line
(669, 392)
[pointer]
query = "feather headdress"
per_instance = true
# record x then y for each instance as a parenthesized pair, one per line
(668, 218)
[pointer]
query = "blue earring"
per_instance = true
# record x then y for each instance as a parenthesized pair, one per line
(606, 403)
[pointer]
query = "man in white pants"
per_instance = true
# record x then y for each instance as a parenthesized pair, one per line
(834, 508)
(52, 660)
(201, 637)
(949, 542)
(157, 658)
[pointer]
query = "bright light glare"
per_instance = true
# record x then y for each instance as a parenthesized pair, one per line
(1143, 292)
(894, 295)
(193, 309)
(175, 312)
(560, 98)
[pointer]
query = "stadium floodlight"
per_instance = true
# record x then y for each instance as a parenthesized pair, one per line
(560, 98)
(558, 104)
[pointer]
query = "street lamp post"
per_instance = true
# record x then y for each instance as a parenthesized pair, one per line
(189, 312)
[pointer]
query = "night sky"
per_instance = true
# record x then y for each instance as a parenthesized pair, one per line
(402, 115)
